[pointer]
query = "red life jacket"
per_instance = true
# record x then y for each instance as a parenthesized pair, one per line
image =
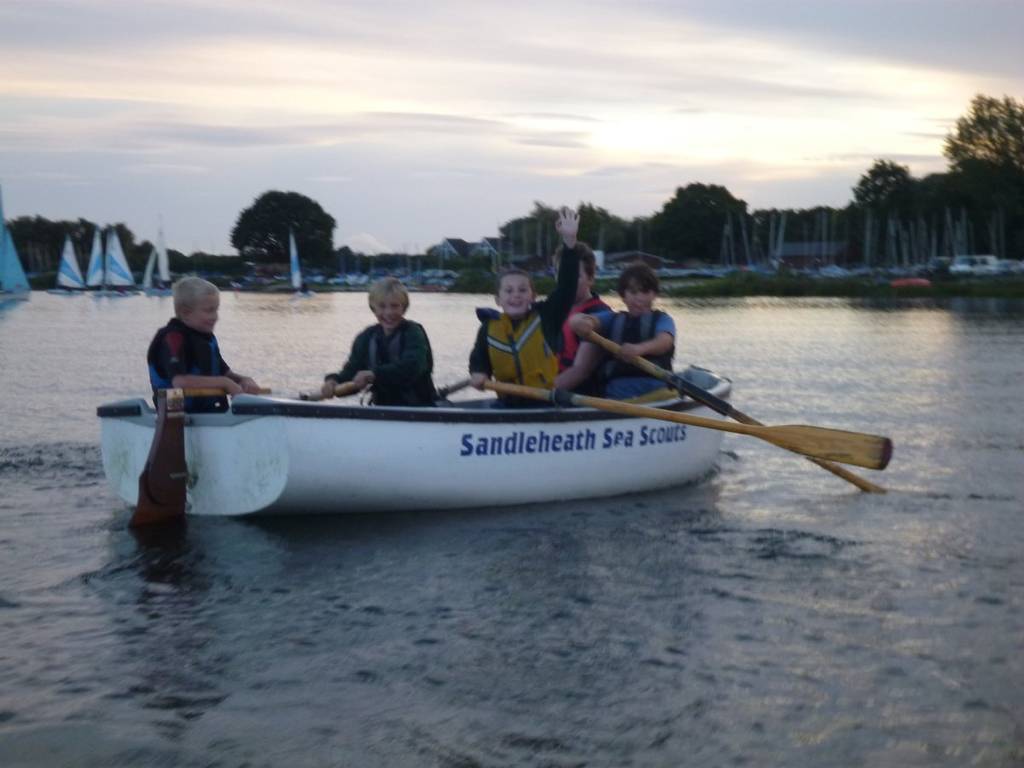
(570, 341)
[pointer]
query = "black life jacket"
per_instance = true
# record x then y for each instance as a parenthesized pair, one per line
(388, 349)
(635, 330)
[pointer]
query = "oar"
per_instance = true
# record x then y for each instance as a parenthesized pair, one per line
(443, 392)
(348, 388)
(217, 392)
(721, 406)
(162, 482)
(164, 478)
(871, 451)
(341, 390)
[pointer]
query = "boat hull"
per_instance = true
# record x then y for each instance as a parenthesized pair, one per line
(275, 456)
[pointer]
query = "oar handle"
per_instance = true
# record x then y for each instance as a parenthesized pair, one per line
(341, 390)
(443, 392)
(215, 391)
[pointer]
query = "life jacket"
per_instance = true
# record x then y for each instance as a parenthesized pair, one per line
(198, 353)
(570, 341)
(635, 330)
(388, 349)
(392, 348)
(520, 354)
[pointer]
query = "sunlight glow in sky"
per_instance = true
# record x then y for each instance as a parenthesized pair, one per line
(411, 124)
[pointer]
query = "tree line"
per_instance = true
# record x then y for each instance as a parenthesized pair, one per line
(976, 206)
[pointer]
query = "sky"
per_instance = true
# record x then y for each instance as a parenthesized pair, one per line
(410, 122)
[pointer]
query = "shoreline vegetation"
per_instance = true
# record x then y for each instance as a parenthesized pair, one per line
(732, 285)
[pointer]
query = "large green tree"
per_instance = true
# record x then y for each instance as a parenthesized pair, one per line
(690, 225)
(992, 132)
(986, 155)
(261, 232)
(885, 185)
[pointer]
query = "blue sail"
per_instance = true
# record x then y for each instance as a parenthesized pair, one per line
(12, 276)
(69, 275)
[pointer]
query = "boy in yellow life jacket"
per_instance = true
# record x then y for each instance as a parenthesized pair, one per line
(520, 345)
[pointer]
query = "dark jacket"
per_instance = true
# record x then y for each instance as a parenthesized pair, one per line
(402, 364)
(178, 350)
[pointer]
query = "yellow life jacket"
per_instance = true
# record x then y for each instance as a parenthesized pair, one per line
(521, 355)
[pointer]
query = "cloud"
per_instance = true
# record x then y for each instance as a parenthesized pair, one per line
(558, 139)
(166, 169)
(331, 179)
(364, 242)
(445, 118)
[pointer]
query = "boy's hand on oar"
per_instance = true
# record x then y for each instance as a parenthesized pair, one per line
(363, 379)
(629, 352)
(583, 324)
(249, 386)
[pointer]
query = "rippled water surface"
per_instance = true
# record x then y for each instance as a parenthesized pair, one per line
(772, 615)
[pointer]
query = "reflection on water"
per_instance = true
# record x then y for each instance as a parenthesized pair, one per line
(770, 615)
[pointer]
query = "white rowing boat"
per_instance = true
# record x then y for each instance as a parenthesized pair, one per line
(271, 455)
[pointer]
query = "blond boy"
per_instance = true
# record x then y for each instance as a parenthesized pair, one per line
(185, 354)
(393, 357)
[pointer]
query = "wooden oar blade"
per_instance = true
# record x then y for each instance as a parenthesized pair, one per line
(163, 481)
(857, 448)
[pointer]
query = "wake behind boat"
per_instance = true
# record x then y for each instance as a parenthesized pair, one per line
(271, 455)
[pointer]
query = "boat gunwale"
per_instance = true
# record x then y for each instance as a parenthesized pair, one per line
(482, 413)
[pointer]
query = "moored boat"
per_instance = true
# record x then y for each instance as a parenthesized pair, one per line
(270, 455)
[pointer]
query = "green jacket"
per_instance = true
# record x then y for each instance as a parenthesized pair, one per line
(401, 363)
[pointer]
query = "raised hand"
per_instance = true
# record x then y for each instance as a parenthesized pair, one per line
(567, 225)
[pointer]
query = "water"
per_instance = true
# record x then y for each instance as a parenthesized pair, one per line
(770, 616)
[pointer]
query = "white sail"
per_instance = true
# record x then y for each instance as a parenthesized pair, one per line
(163, 269)
(293, 253)
(94, 272)
(147, 276)
(118, 273)
(69, 275)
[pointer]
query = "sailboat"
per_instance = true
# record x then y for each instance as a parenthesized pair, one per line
(94, 272)
(158, 262)
(293, 255)
(147, 275)
(116, 273)
(13, 283)
(69, 276)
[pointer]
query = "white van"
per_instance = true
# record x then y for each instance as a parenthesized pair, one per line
(973, 266)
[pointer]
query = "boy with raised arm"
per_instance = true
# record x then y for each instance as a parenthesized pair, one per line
(393, 357)
(185, 354)
(520, 345)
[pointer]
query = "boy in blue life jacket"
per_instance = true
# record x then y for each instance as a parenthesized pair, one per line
(520, 345)
(641, 331)
(393, 357)
(185, 354)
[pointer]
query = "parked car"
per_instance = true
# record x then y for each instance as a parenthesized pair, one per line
(974, 266)
(1011, 267)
